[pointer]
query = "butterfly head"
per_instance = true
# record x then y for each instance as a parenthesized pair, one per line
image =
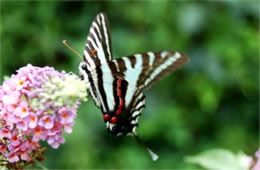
(82, 67)
(84, 71)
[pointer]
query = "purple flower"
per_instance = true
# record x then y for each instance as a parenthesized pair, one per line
(46, 122)
(9, 86)
(55, 141)
(37, 104)
(22, 125)
(12, 157)
(22, 110)
(39, 134)
(15, 139)
(3, 148)
(12, 98)
(21, 83)
(68, 127)
(67, 116)
(10, 107)
(13, 148)
(24, 154)
(4, 132)
(33, 120)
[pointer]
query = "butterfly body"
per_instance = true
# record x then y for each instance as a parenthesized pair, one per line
(116, 85)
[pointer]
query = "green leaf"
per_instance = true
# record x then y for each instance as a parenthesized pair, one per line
(220, 159)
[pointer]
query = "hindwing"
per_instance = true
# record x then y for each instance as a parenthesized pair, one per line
(144, 69)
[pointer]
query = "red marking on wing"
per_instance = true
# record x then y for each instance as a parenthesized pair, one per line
(121, 102)
(106, 117)
(113, 120)
(93, 52)
(119, 110)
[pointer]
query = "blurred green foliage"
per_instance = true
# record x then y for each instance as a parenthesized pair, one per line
(211, 103)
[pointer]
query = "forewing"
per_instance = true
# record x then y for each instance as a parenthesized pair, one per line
(98, 45)
(143, 70)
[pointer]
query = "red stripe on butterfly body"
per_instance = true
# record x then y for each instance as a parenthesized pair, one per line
(119, 110)
(107, 117)
(121, 100)
(119, 81)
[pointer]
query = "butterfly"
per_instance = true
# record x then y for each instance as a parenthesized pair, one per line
(116, 85)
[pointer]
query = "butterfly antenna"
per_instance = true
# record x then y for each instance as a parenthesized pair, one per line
(153, 155)
(65, 43)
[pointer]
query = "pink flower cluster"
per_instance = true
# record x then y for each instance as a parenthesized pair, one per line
(28, 113)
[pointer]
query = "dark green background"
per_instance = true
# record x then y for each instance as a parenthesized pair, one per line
(211, 103)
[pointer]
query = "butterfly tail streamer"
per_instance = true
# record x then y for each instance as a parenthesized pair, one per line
(153, 155)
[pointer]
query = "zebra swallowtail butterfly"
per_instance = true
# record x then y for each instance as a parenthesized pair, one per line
(116, 85)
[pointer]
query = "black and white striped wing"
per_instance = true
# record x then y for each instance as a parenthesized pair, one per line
(97, 52)
(98, 45)
(121, 102)
(143, 70)
(124, 106)
(116, 85)
(123, 81)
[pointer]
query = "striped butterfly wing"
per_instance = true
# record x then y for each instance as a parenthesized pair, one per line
(97, 51)
(128, 102)
(98, 45)
(121, 102)
(118, 99)
(116, 85)
(143, 70)
(124, 88)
